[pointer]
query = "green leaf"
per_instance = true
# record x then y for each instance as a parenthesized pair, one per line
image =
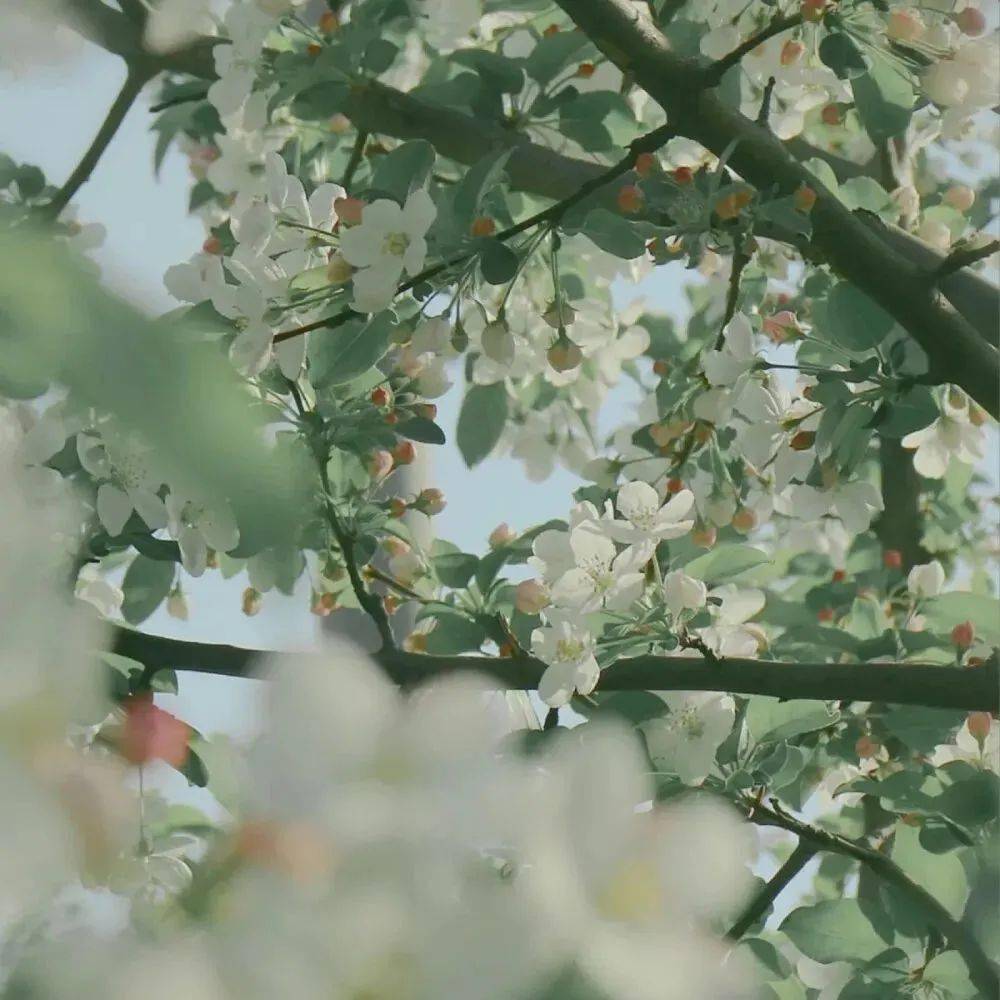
(455, 569)
(949, 971)
(194, 769)
(922, 729)
(421, 429)
(481, 421)
(497, 262)
(612, 233)
(552, 53)
(725, 562)
(946, 611)
(854, 320)
(942, 875)
(320, 101)
(770, 720)
(884, 99)
(479, 180)
(339, 355)
(454, 633)
(379, 55)
(835, 930)
(405, 169)
(147, 584)
(494, 69)
(841, 54)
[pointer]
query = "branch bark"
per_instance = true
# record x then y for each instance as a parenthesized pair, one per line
(982, 971)
(976, 689)
(536, 169)
(956, 353)
(804, 852)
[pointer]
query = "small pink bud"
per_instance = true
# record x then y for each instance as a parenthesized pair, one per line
(501, 535)
(530, 597)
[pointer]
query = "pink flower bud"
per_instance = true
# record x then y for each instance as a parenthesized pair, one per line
(531, 596)
(502, 534)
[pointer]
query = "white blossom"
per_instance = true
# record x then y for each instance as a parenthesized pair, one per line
(926, 580)
(684, 741)
(951, 435)
(566, 645)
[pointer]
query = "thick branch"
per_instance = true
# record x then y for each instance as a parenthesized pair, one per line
(466, 139)
(976, 689)
(757, 907)
(955, 351)
(135, 80)
(959, 936)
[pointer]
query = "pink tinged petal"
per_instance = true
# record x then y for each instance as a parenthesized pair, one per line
(114, 508)
(419, 211)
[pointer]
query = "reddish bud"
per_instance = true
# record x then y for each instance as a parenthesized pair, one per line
(404, 453)
(660, 368)
(867, 747)
(430, 501)
(813, 10)
(963, 635)
(892, 559)
(744, 520)
(825, 615)
(397, 507)
(212, 245)
(251, 602)
(328, 22)
(675, 485)
(839, 575)
(802, 441)
(704, 537)
(428, 411)
(313, 50)
(683, 175)
(645, 164)
(831, 115)
(552, 29)
(531, 596)
(483, 226)
(149, 733)
(805, 198)
(979, 724)
(730, 205)
(380, 464)
(629, 199)
(564, 355)
(381, 396)
(501, 535)
(585, 70)
(348, 210)
(971, 21)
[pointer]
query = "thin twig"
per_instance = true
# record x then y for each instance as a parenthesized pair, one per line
(740, 260)
(135, 80)
(179, 99)
(355, 161)
(714, 73)
(644, 144)
(755, 909)
(765, 104)
(981, 969)
(963, 257)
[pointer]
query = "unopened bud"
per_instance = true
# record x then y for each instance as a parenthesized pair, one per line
(825, 615)
(339, 124)
(323, 604)
(349, 210)
(404, 453)
(744, 520)
(802, 441)
(645, 164)
(813, 10)
(483, 226)
(704, 537)
(564, 355)
(730, 205)
(831, 115)
(251, 602)
(501, 535)
(559, 315)
(805, 198)
(313, 50)
(791, 52)
(381, 395)
(428, 411)
(397, 507)
(683, 175)
(905, 25)
(979, 724)
(380, 464)
(971, 21)
(585, 70)
(531, 596)
(459, 339)
(892, 559)
(867, 747)
(963, 634)
(212, 245)
(430, 501)
(630, 199)
(960, 197)
(498, 342)
(675, 485)
(328, 22)
(839, 576)
(660, 368)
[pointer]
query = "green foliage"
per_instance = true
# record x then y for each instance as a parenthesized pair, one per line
(481, 421)
(146, 586)
(834, 930)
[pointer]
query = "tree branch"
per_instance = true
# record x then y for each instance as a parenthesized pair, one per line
(963, 257)
(956, 353)
(961, 938)
(135, 79)
(465, 139)
(974, 689)
(804, 852)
